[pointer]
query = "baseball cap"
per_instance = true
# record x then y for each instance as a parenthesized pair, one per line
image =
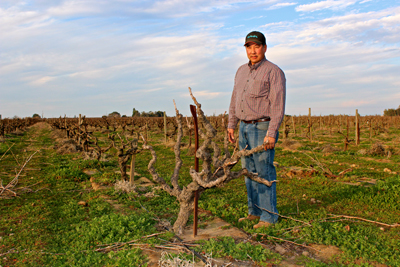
(256, 37)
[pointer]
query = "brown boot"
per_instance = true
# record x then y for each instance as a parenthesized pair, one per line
(249, 218)
(262, 224)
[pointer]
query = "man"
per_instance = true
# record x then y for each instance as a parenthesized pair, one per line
(258, 102)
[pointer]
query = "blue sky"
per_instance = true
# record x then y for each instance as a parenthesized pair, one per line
(93, 57)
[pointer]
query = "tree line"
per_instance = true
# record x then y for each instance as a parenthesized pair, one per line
(392, 112)
(136, 113)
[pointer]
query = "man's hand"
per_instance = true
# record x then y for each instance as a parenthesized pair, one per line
(231, 136)
(269, 142)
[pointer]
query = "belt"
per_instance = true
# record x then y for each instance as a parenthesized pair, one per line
(260, 120)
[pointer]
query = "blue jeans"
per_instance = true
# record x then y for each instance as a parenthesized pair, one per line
(252, 135)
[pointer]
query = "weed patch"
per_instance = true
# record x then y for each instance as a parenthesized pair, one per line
(227, 247)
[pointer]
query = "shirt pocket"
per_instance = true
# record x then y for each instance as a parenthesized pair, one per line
(259, 89)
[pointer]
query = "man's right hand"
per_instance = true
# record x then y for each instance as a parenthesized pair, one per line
(231, 135)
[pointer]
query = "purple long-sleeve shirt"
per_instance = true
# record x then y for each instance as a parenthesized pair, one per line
(259, 92)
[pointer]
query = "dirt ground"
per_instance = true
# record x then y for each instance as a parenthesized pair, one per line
(219, 228)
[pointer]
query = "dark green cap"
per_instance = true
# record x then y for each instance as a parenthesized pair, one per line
(255, 37)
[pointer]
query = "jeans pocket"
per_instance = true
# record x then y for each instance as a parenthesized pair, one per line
(262, 125)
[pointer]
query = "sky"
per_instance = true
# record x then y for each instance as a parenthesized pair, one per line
(93, 57)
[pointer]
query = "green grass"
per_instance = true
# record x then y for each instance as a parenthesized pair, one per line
(228, 247)
(45, 226)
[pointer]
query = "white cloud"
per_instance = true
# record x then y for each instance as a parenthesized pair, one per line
(41, 81)
(144, 9)
(328, 4)
(275, 26)
(371, 27)
(280, 5)
(355, 103)
(13, 20)
(77, 7)
(208, 94)
(184, 7)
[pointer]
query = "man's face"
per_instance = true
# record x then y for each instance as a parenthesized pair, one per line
(255, 52)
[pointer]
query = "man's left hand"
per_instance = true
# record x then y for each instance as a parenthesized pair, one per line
(269, 142)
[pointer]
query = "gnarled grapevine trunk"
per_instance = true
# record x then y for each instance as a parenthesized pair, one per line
(185, 209)
(216, 169)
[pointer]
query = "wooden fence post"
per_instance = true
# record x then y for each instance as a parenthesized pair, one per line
(132, 178)
(357, 128)
(2, 133)
(196, 167)
(309, 124)
(294, 126)
(133, 161)
(370, 128)
(320, 122)
(165, 127)
(147, 131)
(348, 130)
(79, 129)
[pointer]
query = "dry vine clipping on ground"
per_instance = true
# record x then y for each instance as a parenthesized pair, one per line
(7, 191)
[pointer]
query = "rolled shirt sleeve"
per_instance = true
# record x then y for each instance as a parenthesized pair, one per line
(277, 101)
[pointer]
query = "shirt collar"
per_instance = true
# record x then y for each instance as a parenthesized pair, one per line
(255, 66)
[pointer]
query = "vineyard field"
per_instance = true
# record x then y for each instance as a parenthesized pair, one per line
(78, 192)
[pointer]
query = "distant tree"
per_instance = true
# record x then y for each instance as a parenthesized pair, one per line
(114, 114)
(392, 112)
(135, 113)
(152, 114)
(36, 116)
(160, 113)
